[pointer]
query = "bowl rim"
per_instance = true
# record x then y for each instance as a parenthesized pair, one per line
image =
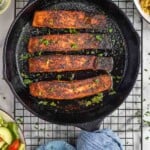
(140, 11)
(12, 119)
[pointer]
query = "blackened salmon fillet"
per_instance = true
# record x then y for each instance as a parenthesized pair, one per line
(69, 42)
(61, 19)
(60, 63)
(67, 90)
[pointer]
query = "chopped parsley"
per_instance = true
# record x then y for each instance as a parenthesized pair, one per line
(147, 123)
(42, 102)
(59, 77)
(73, 31)
(100, 55)
(110, 30)
(72, 76)
(96, 80)
(39, 53)
(147, 113)
(145, 70)
(53, 104)
(147, 138)
(92, 52)
(95, 100)
(19, 120)
(25, 56)
(24, 75)
(74, 45)
(45, 42)
(27, 81)
(88, 103)
(99, 37)
(98, 98)
(112, 92)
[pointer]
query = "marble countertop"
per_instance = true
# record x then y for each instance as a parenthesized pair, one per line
(7, 98)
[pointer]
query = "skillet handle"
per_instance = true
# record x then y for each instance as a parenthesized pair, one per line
(90, 126)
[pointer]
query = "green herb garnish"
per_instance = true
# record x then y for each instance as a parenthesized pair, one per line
(42, 102)
(53, 104)
(96, 80)
(110, 30)
(146, 123)
(39, 53)
(27, 81)
(145, 70)
(92, 52)
(147, 113)
(98, 98)
(112, 92)
(25, 56)
(88, 103)
(99, 37)
(72, 76)
(100, 55)
(45, 42)
(19, 120)
(73, 31)
(74, 45)
(59, 77)
(147, 138)
(24, 75)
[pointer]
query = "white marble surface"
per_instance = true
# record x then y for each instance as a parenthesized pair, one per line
(7, 98)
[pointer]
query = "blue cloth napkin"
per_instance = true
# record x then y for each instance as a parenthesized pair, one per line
(56, 145)
(98, 140)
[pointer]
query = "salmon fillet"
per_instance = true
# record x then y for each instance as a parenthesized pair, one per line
(68, 42)
(60, 63)
(68, 19)
(67, 90)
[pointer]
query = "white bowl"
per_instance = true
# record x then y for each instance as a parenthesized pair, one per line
(139, 8)
(8, 118)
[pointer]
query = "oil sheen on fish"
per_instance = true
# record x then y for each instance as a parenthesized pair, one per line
(67, 90)
(60, 63)
(61, 19)
(69, 42)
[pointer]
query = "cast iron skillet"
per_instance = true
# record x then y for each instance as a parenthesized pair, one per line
(125, 51)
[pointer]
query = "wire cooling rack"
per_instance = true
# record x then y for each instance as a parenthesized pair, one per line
(126, 121)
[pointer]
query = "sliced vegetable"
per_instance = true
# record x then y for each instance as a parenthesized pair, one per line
(15, 145)
(2, 143)
(6, 135)
(22, 147)
(14, 129)
(2, 122)
(5, 147)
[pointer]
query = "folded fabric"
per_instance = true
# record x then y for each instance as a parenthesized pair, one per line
(56, 145)
(98, 140)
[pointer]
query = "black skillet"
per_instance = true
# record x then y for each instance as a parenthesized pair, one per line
(81, 113)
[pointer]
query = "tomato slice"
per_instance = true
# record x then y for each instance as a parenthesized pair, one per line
(15, 145)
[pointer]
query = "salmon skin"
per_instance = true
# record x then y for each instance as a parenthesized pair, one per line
(61, 19)
(69, 42)
(67, 90)
(60, 63)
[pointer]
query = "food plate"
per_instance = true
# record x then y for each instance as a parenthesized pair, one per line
(142, 13)
(8, 118)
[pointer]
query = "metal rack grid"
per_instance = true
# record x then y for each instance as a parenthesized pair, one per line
(126, 121)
